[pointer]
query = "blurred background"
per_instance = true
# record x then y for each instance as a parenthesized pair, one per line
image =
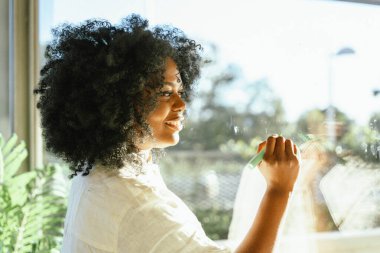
(306, 69)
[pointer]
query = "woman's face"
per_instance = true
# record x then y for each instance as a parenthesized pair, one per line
(166, 119)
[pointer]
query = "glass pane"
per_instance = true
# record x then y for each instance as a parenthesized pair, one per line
(305, 69)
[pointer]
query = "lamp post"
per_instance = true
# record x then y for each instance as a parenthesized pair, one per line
(331, 125)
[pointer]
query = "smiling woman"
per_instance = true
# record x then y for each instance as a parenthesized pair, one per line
(109, 95)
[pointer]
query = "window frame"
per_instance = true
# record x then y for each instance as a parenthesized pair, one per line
(23, 77)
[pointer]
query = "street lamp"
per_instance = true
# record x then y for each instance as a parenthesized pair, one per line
(331, 126)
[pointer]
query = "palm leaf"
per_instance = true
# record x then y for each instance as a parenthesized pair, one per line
(15, 152)
(32, 204)
(44, 213)
(11, 157)
(17, 187)
(7, 147)
(12, 166)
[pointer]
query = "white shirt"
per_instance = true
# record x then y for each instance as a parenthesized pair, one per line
(129, 213)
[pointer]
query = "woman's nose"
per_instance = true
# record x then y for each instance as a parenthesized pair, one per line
(179, 104)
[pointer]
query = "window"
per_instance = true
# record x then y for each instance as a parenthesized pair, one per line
(298, 68)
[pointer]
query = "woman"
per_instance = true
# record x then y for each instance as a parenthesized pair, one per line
(111, 96)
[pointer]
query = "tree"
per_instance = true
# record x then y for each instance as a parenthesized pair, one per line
(220, 118)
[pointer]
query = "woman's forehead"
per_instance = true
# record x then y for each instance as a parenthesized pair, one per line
(173, 85)
(172, 74)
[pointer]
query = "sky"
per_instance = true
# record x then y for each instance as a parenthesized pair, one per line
(291, 43)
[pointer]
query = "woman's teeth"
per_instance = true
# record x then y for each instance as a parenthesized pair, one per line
(176, 124)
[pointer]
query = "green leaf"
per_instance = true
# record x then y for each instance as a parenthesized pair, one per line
(11, 168)
(9, 145)
(18, 187)
(22, 180)
(14, 153)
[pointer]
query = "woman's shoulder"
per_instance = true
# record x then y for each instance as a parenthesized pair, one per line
(114, 194)
(128, 181)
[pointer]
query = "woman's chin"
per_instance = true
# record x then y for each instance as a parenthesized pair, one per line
(169, 141)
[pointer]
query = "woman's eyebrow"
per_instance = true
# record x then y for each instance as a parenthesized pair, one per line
(173, 85)
(169, 83)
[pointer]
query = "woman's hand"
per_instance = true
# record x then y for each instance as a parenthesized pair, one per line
(280, 164)
(280, 168)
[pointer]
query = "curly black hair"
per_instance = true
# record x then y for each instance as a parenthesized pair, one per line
(93, 87)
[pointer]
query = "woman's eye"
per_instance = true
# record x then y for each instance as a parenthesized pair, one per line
(168, 94)
(165, 93)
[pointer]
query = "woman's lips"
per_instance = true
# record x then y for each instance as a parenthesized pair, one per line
(174, 124)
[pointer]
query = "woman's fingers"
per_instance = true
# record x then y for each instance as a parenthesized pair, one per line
(279, 149)
(271, 142)
(289, 148)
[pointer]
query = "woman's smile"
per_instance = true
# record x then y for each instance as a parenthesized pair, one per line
(175, 123)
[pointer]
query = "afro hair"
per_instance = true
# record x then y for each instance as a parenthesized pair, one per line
(92, 87)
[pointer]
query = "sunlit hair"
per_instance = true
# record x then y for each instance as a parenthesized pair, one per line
(95, 87)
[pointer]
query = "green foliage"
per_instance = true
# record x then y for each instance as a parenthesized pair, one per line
(315, 122)
(32, 204)
(215, 222)
(363, 142)
(242, 148)
(351, 139)
(218, 118)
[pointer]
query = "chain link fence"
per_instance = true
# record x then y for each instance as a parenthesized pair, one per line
(207, 182)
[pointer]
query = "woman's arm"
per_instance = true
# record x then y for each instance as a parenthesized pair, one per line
(280, 168)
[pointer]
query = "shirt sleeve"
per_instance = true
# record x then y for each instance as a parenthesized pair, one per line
(162, 223)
